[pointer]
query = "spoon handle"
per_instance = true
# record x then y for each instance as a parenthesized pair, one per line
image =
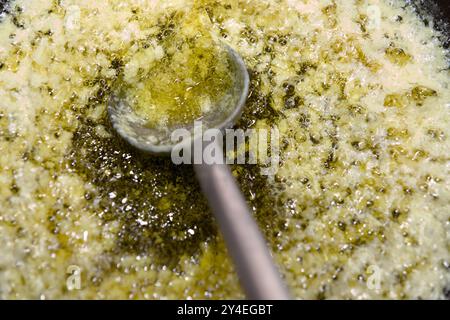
(257, 272)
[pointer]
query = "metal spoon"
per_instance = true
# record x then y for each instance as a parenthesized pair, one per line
(257, 272)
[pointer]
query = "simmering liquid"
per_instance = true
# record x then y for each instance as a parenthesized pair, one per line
(359, 91)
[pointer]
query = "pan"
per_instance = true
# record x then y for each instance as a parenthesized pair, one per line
(432, 12)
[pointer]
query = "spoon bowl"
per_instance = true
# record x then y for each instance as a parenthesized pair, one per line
(135, 131)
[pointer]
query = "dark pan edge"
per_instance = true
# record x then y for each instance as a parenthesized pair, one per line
(436, 13)
(4, 7)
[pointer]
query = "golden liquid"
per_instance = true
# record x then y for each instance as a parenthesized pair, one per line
(187, 83)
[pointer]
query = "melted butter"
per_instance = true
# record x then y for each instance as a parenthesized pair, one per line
(182, 90)
(361, 184)
(186, 84)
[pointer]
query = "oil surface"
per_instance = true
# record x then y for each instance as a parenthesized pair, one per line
(362, 193)
(189, 80)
